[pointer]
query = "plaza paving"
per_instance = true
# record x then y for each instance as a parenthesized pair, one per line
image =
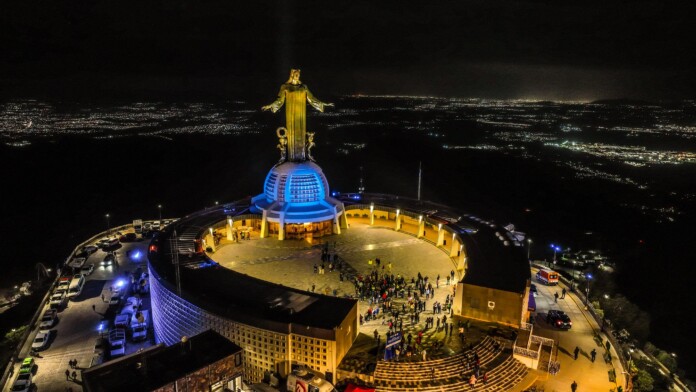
(291, 263)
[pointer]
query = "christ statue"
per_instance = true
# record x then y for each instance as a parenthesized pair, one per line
(294, 94)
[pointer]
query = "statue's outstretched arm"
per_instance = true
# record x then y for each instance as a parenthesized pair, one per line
(278, 103)
(317, 104)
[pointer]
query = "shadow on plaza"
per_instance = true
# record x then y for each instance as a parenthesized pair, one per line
(91, 289)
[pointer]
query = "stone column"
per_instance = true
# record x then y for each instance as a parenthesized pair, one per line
(440, 235)
(455, 246)
(264, 225)
(229, 228)
(281, 227)
(421, 227)
(397, 220)
(336, 223)
(372, 214)
(343, 220)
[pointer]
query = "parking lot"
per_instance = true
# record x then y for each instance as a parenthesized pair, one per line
(85, 318)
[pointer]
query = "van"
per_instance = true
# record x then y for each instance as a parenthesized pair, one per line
(547, 277)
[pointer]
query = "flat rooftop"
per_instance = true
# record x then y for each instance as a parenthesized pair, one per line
(158, 365)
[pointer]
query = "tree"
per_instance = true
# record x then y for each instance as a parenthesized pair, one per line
(15, 335)
(668, 360)
(649, 348)
(643, 381)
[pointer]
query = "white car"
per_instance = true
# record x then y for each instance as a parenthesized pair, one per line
(58, 299)
(87, 269)
(22, 383)
(40, 341)
(48, 320)
(117, 342)
(156, 225)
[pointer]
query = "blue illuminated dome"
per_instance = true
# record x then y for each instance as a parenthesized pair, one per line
(297, 192)
(298, 183)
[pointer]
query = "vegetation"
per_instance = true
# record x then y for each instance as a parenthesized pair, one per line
(13, 337)
(624, 314)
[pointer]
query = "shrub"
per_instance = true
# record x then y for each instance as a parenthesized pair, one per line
(649, 348)
(643, 381)
(668, 360)
(15, 335)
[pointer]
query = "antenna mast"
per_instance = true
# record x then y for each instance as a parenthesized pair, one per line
(175, 261)
(420, 174)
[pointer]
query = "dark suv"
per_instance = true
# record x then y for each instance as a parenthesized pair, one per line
(559, 319)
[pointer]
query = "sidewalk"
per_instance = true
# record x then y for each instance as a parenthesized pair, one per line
(590, 376)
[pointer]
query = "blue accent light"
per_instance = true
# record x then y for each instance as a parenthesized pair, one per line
(120, 283)
(137, 255)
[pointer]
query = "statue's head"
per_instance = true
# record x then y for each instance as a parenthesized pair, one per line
(294, 76)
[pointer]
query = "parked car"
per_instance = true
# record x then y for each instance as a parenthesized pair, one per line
(108, 260)
(48, 320)
(87, 269)
(117, 342)
(27, 365)
(558, 319)
(58, 299)
(64, 283)
(40, 341)
(86, 250)
(128, 237)
(22, 383)
(112, 242)
(533, 289)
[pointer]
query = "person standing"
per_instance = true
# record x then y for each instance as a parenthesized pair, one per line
(563, 293)
(593, 354)
(574, 386)
(74, 375)
(576, 352)
(555, 297)
(67, 375)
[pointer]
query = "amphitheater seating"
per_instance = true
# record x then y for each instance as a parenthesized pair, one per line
(504, 372)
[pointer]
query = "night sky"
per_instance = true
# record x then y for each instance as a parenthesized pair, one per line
(231, 49)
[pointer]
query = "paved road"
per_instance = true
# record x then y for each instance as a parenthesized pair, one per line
(589, 376)
(74, 335)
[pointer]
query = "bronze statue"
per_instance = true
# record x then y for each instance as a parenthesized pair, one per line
(294, 94)
(282, 143)
(310, 144)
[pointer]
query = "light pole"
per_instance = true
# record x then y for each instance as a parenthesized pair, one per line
(588, 277)
(555, 249)
(529, 248)
(159, 207)
(108, 224)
